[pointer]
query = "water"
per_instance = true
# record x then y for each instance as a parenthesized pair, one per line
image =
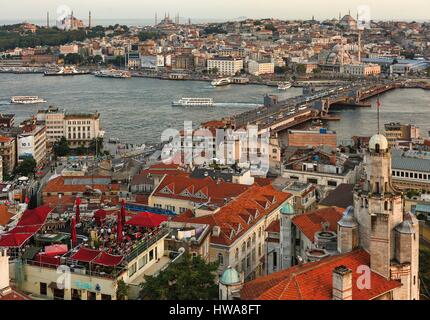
(134, 110)
(138, 110)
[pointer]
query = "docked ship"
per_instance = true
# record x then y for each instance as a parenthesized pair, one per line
(26, 100)
(193, 102)
(66, 71)
(284, 85)
(112, 73)
(221, 82)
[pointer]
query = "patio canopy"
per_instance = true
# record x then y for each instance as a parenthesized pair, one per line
(108, 260)
(35, 217)
(14, 240)
(85, 255)
(97, 257)
(147, 219)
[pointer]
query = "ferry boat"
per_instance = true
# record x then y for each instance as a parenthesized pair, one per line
(26, 100)
(66, 71)
(112, 73)
(193, 102)
(284, 85)
(221, 82)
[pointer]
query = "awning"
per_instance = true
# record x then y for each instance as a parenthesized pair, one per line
(97, 257)
(35, 217)
(147, 219)
(51, 260)
(56, 249)
(14, 240)
(85, 255)
(108, 260)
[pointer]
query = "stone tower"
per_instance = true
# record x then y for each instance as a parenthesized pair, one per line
(347, 232)
(286, 237)
(390, 236)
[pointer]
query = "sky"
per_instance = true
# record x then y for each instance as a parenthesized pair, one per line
(217, 9)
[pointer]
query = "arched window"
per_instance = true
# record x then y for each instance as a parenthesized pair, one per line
(236, 254)
(386, 205)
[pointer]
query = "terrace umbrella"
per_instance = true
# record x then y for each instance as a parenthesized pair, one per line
(123, 211)
(119, 228)
(78, 212)
(74, 238)
(27, 200)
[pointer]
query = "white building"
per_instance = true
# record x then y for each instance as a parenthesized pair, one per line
(32, 142)
(78, 129)
(362, 70)
(225, 66)
(257, 68)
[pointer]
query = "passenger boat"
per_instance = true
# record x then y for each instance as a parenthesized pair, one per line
(193, 102)
(26, 100)
(284, 85)
(112, 73)
(66, 71)
(221, 82)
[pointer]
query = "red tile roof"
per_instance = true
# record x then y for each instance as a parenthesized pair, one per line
(198, 190)
(313, 281)
(274, 227)
(244, 211)
(310, 223)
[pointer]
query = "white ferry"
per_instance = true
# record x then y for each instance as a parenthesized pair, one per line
(112, 73)
(221, 82)
(193, 102)
(26, 100)
(284, 85)
(66, 71)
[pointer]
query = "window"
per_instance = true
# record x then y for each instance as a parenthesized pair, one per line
(220, 259)
(332, 183)
(312, 180)
(43, 289)
(142, 262)
(151, 255)
(132, 270)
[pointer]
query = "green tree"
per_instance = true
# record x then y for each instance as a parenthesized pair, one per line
(301, 69)
(188, 279)
(96, 146)
(73, 58)
(122, 290)
(61, 148)
(27, 167)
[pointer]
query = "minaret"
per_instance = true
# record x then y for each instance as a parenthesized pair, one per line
(89, 20)
(47, 20)
(156, 19)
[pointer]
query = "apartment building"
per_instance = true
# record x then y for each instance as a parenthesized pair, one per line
(225, 66)
(32, 141)
(258, 68)
(8, 153)
(78, 129)
(238, 229)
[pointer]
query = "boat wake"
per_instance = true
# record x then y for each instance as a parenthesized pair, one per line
(4, 103)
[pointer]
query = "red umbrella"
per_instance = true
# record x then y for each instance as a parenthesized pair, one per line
(78, 212)
(123, 211)
(27, 200)
(119, 228)
(74, 239)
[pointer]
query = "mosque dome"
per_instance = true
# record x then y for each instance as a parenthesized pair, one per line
(378, 140)
(348, 220)
(348, 19)
(230, 277)
(287, 209)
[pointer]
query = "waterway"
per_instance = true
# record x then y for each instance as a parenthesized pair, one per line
(138, 110)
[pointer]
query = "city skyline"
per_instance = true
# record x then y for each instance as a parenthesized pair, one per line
(293, 9)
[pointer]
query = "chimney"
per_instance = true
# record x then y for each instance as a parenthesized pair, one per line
(342, 283)
(4, 269)
(216, 231)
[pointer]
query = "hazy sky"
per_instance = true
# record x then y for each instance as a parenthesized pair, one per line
(216, 9)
